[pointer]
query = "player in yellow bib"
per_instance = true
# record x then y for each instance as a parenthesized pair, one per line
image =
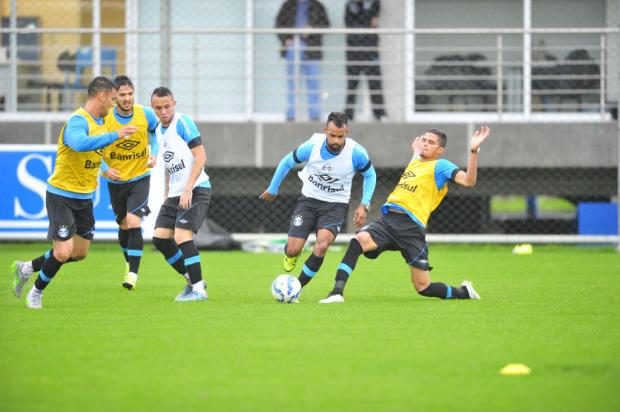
(402, 224)
(70, 190)
(127, 167)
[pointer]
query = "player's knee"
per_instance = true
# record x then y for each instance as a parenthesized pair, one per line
(420, 286)
(292, 251)
(62, 255)
(132, 221)
(182, 237)
(79, 256)
(320, 248)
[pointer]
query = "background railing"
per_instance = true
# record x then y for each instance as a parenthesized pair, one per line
(237, 74)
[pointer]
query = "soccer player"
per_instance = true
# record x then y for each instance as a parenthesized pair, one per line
(70, 190)
(402, 224)
(188, 192)
(127, 166)
(332, 159)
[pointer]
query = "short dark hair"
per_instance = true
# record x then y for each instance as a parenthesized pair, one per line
(340, 119)
(99, 84)
(122, 80)
(443, 138)
(162, 92)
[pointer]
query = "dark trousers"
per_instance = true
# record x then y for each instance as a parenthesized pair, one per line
(373, 71)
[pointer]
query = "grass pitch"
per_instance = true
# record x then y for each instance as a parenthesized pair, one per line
(98, 347)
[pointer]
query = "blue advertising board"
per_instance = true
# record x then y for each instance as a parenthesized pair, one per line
(23, 184)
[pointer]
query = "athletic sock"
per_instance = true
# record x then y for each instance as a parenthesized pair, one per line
(171, 252)
(123, 239)
(199, 287)
(347, 266)
(38, 262)
(443, 291)
(311, 266)
(50, 267)
(192, 261)
(135, 244)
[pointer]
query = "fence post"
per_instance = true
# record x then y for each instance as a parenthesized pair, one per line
(500, 79)
(12, 101)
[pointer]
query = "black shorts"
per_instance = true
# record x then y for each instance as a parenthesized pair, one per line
(69, 217)
(397, 231)
(310, 215)
(130, 197)
(172, 216)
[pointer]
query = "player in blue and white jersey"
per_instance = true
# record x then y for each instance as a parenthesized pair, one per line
(332, 159)
(188, 192)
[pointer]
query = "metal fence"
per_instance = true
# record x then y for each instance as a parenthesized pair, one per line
(226, 61)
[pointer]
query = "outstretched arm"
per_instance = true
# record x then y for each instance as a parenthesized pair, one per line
(468, 179)
(286, 164)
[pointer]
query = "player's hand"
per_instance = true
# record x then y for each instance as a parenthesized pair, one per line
(360, 216)
(416, 146)
(126, 131)
(268, 196)
(185, 201)
(152, 161)
(479, 137)
(112, 174)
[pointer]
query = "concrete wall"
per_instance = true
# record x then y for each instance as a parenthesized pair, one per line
(510, 145)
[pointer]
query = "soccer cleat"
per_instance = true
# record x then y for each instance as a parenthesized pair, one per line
(193, 296)
(33, 299)
(19, 278)
(470, 289)
(130, 280)
(289, 263)
(186, 291)
(333, 298)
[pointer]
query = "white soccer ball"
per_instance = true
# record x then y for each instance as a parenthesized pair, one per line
(286, 289)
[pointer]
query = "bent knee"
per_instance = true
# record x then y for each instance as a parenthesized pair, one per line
(79, 256)
(420, 286)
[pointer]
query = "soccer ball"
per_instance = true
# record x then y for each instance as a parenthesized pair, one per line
(286, 289)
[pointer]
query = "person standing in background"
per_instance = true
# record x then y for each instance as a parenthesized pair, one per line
(302, 14)
(363, 55)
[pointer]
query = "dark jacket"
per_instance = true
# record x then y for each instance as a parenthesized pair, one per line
(317, 17)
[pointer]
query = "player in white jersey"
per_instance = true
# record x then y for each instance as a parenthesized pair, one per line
(332, 159)
(188, 192)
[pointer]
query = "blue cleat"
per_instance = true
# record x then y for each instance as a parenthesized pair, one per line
(193, 296)
(186, 291)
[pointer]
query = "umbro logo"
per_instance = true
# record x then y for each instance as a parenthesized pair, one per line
(99, 151)
(127, 144)
(168, 156)
(326, 168)
(325, 178)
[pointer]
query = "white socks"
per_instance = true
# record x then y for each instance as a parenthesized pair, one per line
(199, 287)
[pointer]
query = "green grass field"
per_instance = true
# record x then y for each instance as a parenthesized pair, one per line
(97, 347)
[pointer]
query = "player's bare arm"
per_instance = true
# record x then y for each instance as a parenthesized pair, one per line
(361, 213)
(200, 158)
(468, 179)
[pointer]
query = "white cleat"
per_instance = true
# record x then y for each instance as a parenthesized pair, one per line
(20, 273)
(33, 299)
(130, 281)
(470, 289)
(333, 299)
